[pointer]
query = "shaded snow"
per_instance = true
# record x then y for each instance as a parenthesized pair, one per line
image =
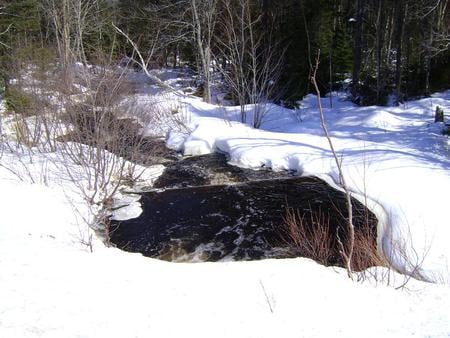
(394, 156)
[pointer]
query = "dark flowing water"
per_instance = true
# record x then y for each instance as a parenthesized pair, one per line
(191, 220)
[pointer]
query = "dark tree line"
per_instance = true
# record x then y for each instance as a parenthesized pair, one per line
(385, 46)
(398, 47)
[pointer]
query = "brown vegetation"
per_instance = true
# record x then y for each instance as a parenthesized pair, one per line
(312, 236)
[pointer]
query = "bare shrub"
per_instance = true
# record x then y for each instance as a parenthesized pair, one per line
(97, 144)
(83, 129)
(366, 253)
(309, 238)
(17, 102)
(399, 246)
(30, 115)
(252, 60)
(160, 114)
(24, 133)
(99, 138)
(176, 117)
(313, 237)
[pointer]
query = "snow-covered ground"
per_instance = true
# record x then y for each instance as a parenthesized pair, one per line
(58, 280)
(395, 158)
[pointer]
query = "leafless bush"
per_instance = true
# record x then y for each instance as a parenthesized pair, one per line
(98, 144)
(366, 252)
(29, 124)
(252, 61)
(403, 262)
(313, 237)
(406, 259)
(161, 114)
(29, 119)
(100, 138)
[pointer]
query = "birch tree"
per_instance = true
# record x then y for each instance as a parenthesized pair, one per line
(204, 14)
(253, 60)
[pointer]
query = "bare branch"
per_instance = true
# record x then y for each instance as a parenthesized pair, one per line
(4, 32)
(142, 63)
(347, 253)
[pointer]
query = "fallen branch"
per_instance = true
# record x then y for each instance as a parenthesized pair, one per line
(144, 65)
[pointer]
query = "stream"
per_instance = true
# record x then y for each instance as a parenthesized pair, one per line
(203, 209)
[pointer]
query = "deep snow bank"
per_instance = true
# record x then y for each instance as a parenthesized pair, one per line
(395, 156)
(53, 286)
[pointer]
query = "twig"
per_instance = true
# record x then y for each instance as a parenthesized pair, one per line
(142, 62)
(266, 296)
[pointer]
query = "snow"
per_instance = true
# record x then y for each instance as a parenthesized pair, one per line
(54, 287)
(394, 157)
(58, 279)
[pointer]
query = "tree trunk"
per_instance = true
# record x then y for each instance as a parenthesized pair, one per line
(379, 47)
(399, 24)
(428, 56)
(207, 75)
(204, 52)
(357, 45)
(175, 56)
(308, 43)
(330, 66)
(427, 72)
(266, 21)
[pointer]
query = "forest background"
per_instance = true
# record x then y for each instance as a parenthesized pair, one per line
(386, 47)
